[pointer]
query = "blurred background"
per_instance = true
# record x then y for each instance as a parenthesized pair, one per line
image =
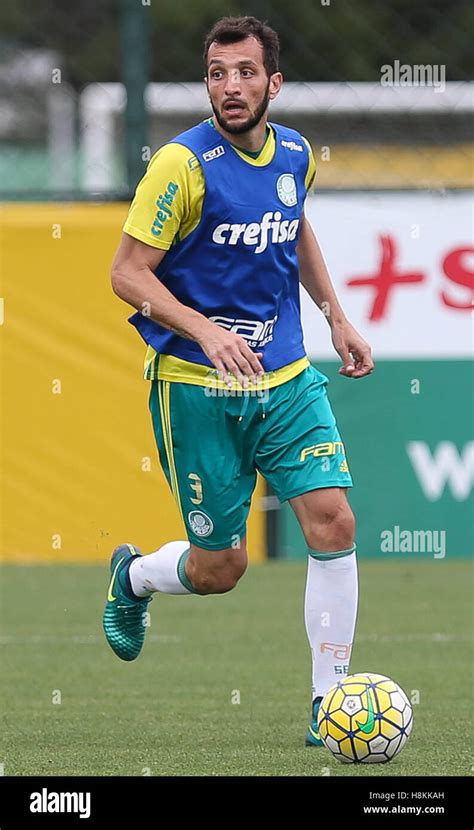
(64, 127)
(87, 95)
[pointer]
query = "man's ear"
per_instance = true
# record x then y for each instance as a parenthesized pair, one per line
(276, 81)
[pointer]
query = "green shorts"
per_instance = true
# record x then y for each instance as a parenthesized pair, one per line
(212, 442)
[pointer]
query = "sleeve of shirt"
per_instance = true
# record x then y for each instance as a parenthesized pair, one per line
(311, 172)
(163, 200)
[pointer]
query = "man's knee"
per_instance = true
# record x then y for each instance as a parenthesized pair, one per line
(332, 528)
(216, 572)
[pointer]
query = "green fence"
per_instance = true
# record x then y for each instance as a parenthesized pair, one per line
(408, 435)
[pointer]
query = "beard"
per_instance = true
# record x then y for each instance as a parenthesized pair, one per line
(252, 120)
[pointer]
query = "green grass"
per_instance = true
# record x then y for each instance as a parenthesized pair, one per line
(171, 713)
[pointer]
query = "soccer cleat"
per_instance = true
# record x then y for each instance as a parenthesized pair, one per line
(124, 617)
(312, 735)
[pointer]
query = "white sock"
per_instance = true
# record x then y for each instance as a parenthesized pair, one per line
(158, 571)
(330, 613)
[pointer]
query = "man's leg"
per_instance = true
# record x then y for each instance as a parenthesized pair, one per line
(181, 568)
(331, 594)
(176, 568)
(303, 457)
(204, 462)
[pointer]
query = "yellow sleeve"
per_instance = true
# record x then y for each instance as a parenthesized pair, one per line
(168, 201)
(311, 173)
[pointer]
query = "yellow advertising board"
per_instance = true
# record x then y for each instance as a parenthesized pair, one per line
(80, 469)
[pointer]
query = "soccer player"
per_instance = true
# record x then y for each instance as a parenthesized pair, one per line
(214, 248)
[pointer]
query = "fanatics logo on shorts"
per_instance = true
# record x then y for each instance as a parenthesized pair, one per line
(286, 189)
(214, 154)
(200, 523)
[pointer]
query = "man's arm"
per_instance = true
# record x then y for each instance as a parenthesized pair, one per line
(353, 350)
(133, 280)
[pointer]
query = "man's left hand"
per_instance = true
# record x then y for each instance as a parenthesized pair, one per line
(353, 350)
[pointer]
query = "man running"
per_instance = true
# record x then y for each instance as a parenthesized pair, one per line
(214, 248)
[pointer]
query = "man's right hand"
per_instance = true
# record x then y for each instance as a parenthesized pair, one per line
(134, 280)
(231, 355)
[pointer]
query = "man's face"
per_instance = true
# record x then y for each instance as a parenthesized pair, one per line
(238, 85)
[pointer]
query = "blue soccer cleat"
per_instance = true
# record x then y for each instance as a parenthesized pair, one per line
(312, 736)
(124, 618)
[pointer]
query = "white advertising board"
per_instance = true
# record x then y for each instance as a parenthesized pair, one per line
(403, 268)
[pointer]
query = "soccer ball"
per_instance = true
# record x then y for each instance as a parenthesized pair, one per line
(365, 718)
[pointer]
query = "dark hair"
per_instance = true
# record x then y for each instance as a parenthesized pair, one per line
(235, 29)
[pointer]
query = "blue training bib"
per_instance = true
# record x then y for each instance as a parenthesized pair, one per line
(239, 266)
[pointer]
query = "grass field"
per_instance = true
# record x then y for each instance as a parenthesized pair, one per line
(170, 712)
